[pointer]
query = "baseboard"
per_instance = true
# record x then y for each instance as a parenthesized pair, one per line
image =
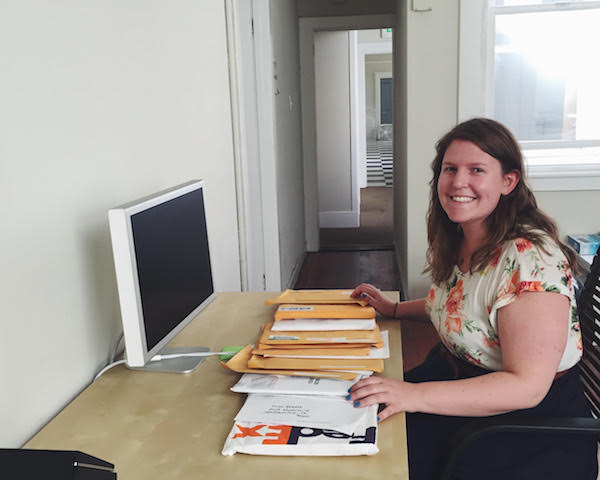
(296, 270)
(343, 219)
(353, 248)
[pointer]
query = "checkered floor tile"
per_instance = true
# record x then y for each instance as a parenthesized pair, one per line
(379, 163)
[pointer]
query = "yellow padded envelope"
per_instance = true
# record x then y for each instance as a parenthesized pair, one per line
(373, 364)
(346, 347)
(287, 311)
(317, 352)
(239, 363)
(316, 297)
(370, 337)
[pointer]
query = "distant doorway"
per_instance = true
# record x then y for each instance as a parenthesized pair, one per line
(333, 192)
(354, 132)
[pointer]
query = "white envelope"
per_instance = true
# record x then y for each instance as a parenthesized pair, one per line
(283, 384)
(332, 413)
(323, 324)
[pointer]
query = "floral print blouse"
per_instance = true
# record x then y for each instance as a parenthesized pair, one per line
(464, 310)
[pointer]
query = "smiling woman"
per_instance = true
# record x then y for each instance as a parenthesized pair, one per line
(471, 183)
(503, 304)
(491, 155)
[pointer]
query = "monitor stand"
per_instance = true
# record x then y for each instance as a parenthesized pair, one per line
(181, 364)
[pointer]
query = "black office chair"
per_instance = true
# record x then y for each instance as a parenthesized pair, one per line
(589, 370)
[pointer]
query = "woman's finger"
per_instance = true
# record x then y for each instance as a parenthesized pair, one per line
(387, 412)
(366, 381)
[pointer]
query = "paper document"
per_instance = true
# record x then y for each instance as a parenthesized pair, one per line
(323, 324)
(303, 411)
(281, 384)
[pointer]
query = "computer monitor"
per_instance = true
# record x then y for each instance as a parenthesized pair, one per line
(163, 270)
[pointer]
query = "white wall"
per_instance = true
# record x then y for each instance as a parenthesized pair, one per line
(102, 102)
(426, 75)
(288, 134)
(574, 211)
(332, 88)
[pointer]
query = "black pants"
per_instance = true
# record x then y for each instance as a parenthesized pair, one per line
(512, 456)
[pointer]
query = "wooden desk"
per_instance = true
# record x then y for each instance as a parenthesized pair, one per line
(173, 426)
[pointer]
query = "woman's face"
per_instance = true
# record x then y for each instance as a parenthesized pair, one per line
(471, 183)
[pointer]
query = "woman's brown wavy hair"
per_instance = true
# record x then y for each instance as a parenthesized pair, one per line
(516, 215)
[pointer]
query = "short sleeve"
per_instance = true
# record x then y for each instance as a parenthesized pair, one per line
(525, 267)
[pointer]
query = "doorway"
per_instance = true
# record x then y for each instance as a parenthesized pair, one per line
(354, 133)
(349, 223)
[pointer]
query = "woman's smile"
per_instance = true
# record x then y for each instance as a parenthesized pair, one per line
(462, 199)
(471, 183)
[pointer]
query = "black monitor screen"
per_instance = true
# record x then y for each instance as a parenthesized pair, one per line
(173, 262)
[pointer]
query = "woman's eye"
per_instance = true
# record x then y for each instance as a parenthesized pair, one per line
(449, 169)
(478, 170)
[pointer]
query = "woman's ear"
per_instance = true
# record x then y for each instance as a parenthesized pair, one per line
(511, 180)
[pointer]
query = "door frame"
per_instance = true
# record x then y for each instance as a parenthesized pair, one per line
(254, 144)
(307, 27)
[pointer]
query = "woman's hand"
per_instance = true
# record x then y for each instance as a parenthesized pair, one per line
(375, 298)
(396, 395)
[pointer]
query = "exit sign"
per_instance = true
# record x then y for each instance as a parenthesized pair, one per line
(386, 32)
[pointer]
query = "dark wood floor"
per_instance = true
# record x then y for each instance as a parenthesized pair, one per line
(346, 269)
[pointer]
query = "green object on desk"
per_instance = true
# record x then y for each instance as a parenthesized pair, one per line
(233, 349)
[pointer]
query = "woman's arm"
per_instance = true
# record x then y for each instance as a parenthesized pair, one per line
(533, 335)
(414, 309)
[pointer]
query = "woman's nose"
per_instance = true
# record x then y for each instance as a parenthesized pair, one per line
(460, 178)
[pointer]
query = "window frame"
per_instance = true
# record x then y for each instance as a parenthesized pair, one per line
(570, 165)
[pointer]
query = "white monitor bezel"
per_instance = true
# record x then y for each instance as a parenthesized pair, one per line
(136, 349)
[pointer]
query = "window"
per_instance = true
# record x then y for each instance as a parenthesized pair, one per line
(535, 70)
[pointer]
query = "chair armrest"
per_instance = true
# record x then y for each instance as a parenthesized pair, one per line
(472, 431)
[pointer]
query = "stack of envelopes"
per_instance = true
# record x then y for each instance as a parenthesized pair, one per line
(322, 333)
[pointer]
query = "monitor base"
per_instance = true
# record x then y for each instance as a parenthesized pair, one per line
(183, 364)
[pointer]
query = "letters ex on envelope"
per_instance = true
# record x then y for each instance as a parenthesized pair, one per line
(302, 411)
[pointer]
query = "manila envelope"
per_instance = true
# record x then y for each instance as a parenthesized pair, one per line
(373, 364)
(343, 347)
(239, 363)
(317, 352)
(315, 296)
(371, 337)
(286, 311)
